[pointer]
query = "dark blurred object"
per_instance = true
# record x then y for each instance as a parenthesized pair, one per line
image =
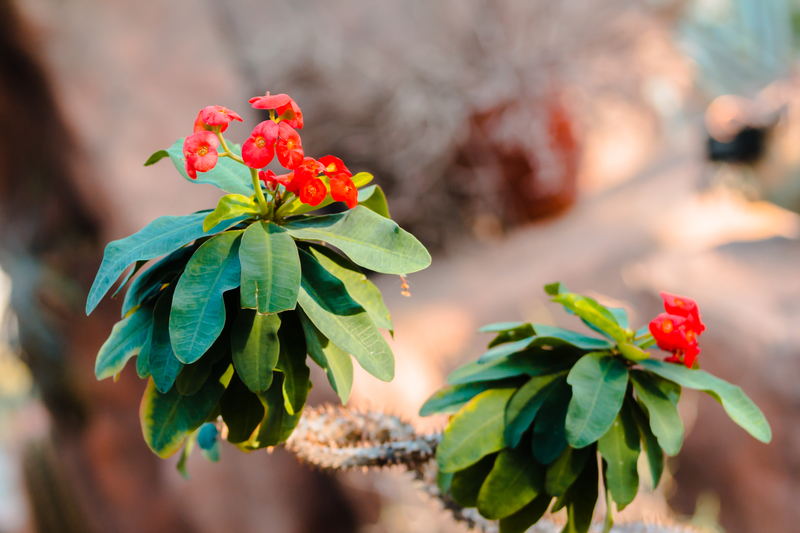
(746, 147)
(738, 129)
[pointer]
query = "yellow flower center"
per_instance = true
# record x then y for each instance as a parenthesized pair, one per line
(203, 150)
(667, 326)
(690, 335)
(261, 142)
(290, 144)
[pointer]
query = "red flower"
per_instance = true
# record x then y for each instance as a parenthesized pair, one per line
(289, 146)
(200, 151)
(259, 149)
(216, 115)
(313, 191)
(685, 307)
(269, 178)
(675, 334)
(199, 125)
(343, 190)
(270, 101)
(334, 167)
(290, 113)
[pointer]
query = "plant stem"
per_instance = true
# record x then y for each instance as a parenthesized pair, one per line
(228, 153)
(262, 202)
(609, 523)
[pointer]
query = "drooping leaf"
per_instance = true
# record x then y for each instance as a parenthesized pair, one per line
(549, 438)
(367, 238)
(739, 407)
(292, 363)
(164, 366)
(524, 405)
(451, 398)
(188, 446)
(515, 480)
(475, 431)
(655, 455)
(523, 519)
(296, 207)
(167, 419)
(501, 327)
(231, 206)
(198, 309)
(227, 174)
(443, 480)
(192, 377)
(372, 197)
(278, 424)
(326, 302)
(466, 483)
(241, 409)
(126, 340)
(255, 347)
(580, 500)
(132, 272)
(150, 283)
(592, 313)
(270, 269)
(620, 448)
(563, 472)
(524, 331)
(519, 364)
(162, 236)
(335, 361)
(665, 422)
(360, 289)
(143, 359)
(598, 388)
(156, 157)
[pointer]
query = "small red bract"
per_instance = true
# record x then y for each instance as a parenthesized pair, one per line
(270, 101)
(200, 151)
(289, 147)
(269, 178)
(343, 190)
(334, 167)
(217, 115)
(313, 191)
(685, 307)
(259, 149)
(677, 330)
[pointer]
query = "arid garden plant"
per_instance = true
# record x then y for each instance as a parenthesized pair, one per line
(535, 411)
(221, 325)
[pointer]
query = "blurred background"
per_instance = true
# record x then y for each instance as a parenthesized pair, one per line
(619, 146)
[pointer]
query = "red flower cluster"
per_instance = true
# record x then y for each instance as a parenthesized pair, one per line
(677, 330)
(277, 135)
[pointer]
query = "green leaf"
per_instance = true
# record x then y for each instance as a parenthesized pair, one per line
(739, 407)
(167, 419)
(523, 519)
(164, 366)
(278, 424)
(367, 238)
(598, 388)
(443, 481)
(655, 455)
(162, 236)
(156, 157)
(143, 359)
(466, 483)
(524, 405)
(580, 500)
(517, 364)
(231, 206)
(632, 352)
(187, 451)
(499, 327)
(475, 431)
(593, 313)
(241, 410)
(515, 481)
(360, 289)
(373, 198)
(292, 363)
(563, 472)
(335, 361)
(270, 269)
(450, 399)
(549, 439)
(554, 336)
(620, 315)
(132, 272)
(255, 347)
(227, 174)
(296, 207)
(665, 422)
(525, 331)
(554, 289)
(192, 377)
(126, 340)
(326, 302)
(198, 310)
(151, 282)
(620, 448)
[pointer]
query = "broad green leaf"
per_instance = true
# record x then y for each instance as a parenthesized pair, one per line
(475, 431)
(162, 236)
(563, 472)
(167, 419)
(335, 361)
(504, 350)
(296, 207)
(231, 206)
(739, 407)
(126, 340)
(554, 336)
(450, 399)
(270, 269)
(502, 326)
(278, 424)
(372, 197)
(620, 448)
(554, 289)
(523, 519)
(367, 238)
(598, 388)
(156, 157)
(152, 280)
(360, 289)
(255, 347)
(241, 410)
(164, 366)
(665, 422)
(143, 359)
(632, 352)
(466, 483)
(549, 439)
(519, 364)
(198, 309)
(580, 500)
(515, 481)
(525, 331)
(192, 377)
(292, 363)
(227, 174)
(132, 272)
(655, 455)
(620, 315)
(524, 405)
(443, 480)
(326, 302)
(593, 313)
